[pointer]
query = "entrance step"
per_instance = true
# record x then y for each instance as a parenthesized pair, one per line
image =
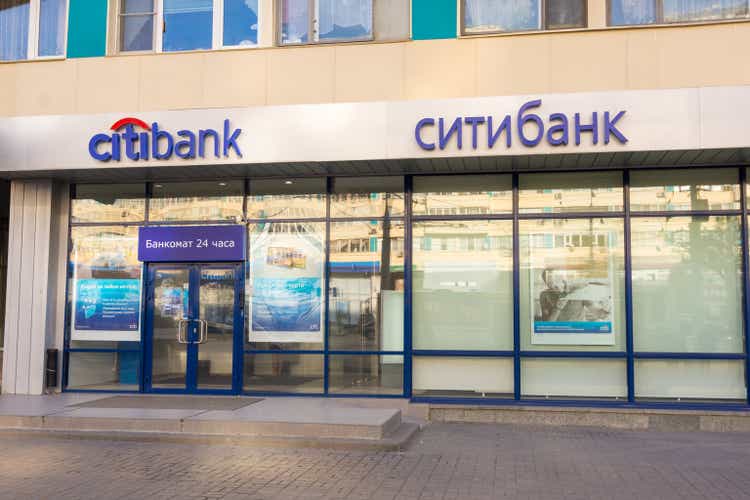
(314, 422)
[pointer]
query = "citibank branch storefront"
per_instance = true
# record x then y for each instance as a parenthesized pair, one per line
(545, 249)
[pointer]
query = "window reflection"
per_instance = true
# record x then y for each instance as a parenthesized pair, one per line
(463, 285)
(571, 192)
(654, 190)
(240, 22)
(287, 199)
(197, 201)
(109, 203)
(365, 374)
(366, 293)
(278, 372)
(367, 197)
(187, 25)
(687, 284)
(345, 20)
(446, 195)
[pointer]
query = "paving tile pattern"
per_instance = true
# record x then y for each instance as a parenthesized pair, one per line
(446, 461)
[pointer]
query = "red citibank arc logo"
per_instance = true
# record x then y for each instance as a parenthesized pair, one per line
(152, 142)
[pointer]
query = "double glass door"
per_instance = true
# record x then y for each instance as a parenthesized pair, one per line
(194, 328)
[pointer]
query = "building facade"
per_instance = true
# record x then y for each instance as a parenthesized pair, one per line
(466, 201)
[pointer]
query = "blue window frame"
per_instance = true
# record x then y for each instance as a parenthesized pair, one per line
(521, 370)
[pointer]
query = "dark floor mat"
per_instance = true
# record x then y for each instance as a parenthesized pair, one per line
(221, 403)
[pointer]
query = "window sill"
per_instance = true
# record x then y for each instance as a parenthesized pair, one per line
(603, 28)
(259, 47)
(35, 59)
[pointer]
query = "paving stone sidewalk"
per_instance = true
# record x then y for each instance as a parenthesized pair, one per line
(446, 461)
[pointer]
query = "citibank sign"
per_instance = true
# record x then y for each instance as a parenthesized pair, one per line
(137, 140)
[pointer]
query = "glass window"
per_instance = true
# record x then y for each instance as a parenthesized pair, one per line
(703, 10)
(52, 25)
(240, 22)
(285, 285)
(331, 20)
(366, 374)
(105, 287)
(463, 285)
(197, 201)
(108, 371)
(482, 16)
(573, 378)
(136, 25)
(49, 22)
(663, 190)
(570, 192)
(367, 197)
(295, 21)
(572, 284)
(487, 16)
(287, 199)
(630, 12)
(344, 19)
(187, 25)
(690, 379)
(366, 293)
(687, 284)
(109, 203)
(445, 195)
(469, 377)
(14, 29)
(279, 372)
(562, 14)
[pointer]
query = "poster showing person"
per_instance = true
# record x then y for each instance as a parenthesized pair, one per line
(572, 301)
(106, 286)
(287, 273)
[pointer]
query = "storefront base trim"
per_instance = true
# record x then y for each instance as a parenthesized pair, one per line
(669, 420)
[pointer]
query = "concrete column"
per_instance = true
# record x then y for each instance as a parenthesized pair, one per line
(33, 286)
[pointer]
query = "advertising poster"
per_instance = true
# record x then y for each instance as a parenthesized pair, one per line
(573, 302)
(106, 287)
(287, 270)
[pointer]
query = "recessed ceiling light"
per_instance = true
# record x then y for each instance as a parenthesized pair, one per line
(223, 184)
(288, 182)
(158, 186)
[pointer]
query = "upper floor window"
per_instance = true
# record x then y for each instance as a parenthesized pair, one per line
(312, 21)
(177, 25)
(32, 28)
(323, 21)
(497, 16)
(632, 12)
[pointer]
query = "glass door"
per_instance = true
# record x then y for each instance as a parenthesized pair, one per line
(194, 328)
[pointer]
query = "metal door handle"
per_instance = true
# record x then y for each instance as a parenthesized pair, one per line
(180, 330)
(203, 331)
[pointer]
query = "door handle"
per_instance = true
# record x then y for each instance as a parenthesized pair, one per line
(203, 331)
(181, 330)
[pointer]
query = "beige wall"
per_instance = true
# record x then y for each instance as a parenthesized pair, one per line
(576, 61)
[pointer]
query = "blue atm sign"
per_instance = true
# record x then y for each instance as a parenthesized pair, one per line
(191, 243)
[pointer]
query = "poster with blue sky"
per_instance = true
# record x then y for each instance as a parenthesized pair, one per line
(106, 285)
(286, 299)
